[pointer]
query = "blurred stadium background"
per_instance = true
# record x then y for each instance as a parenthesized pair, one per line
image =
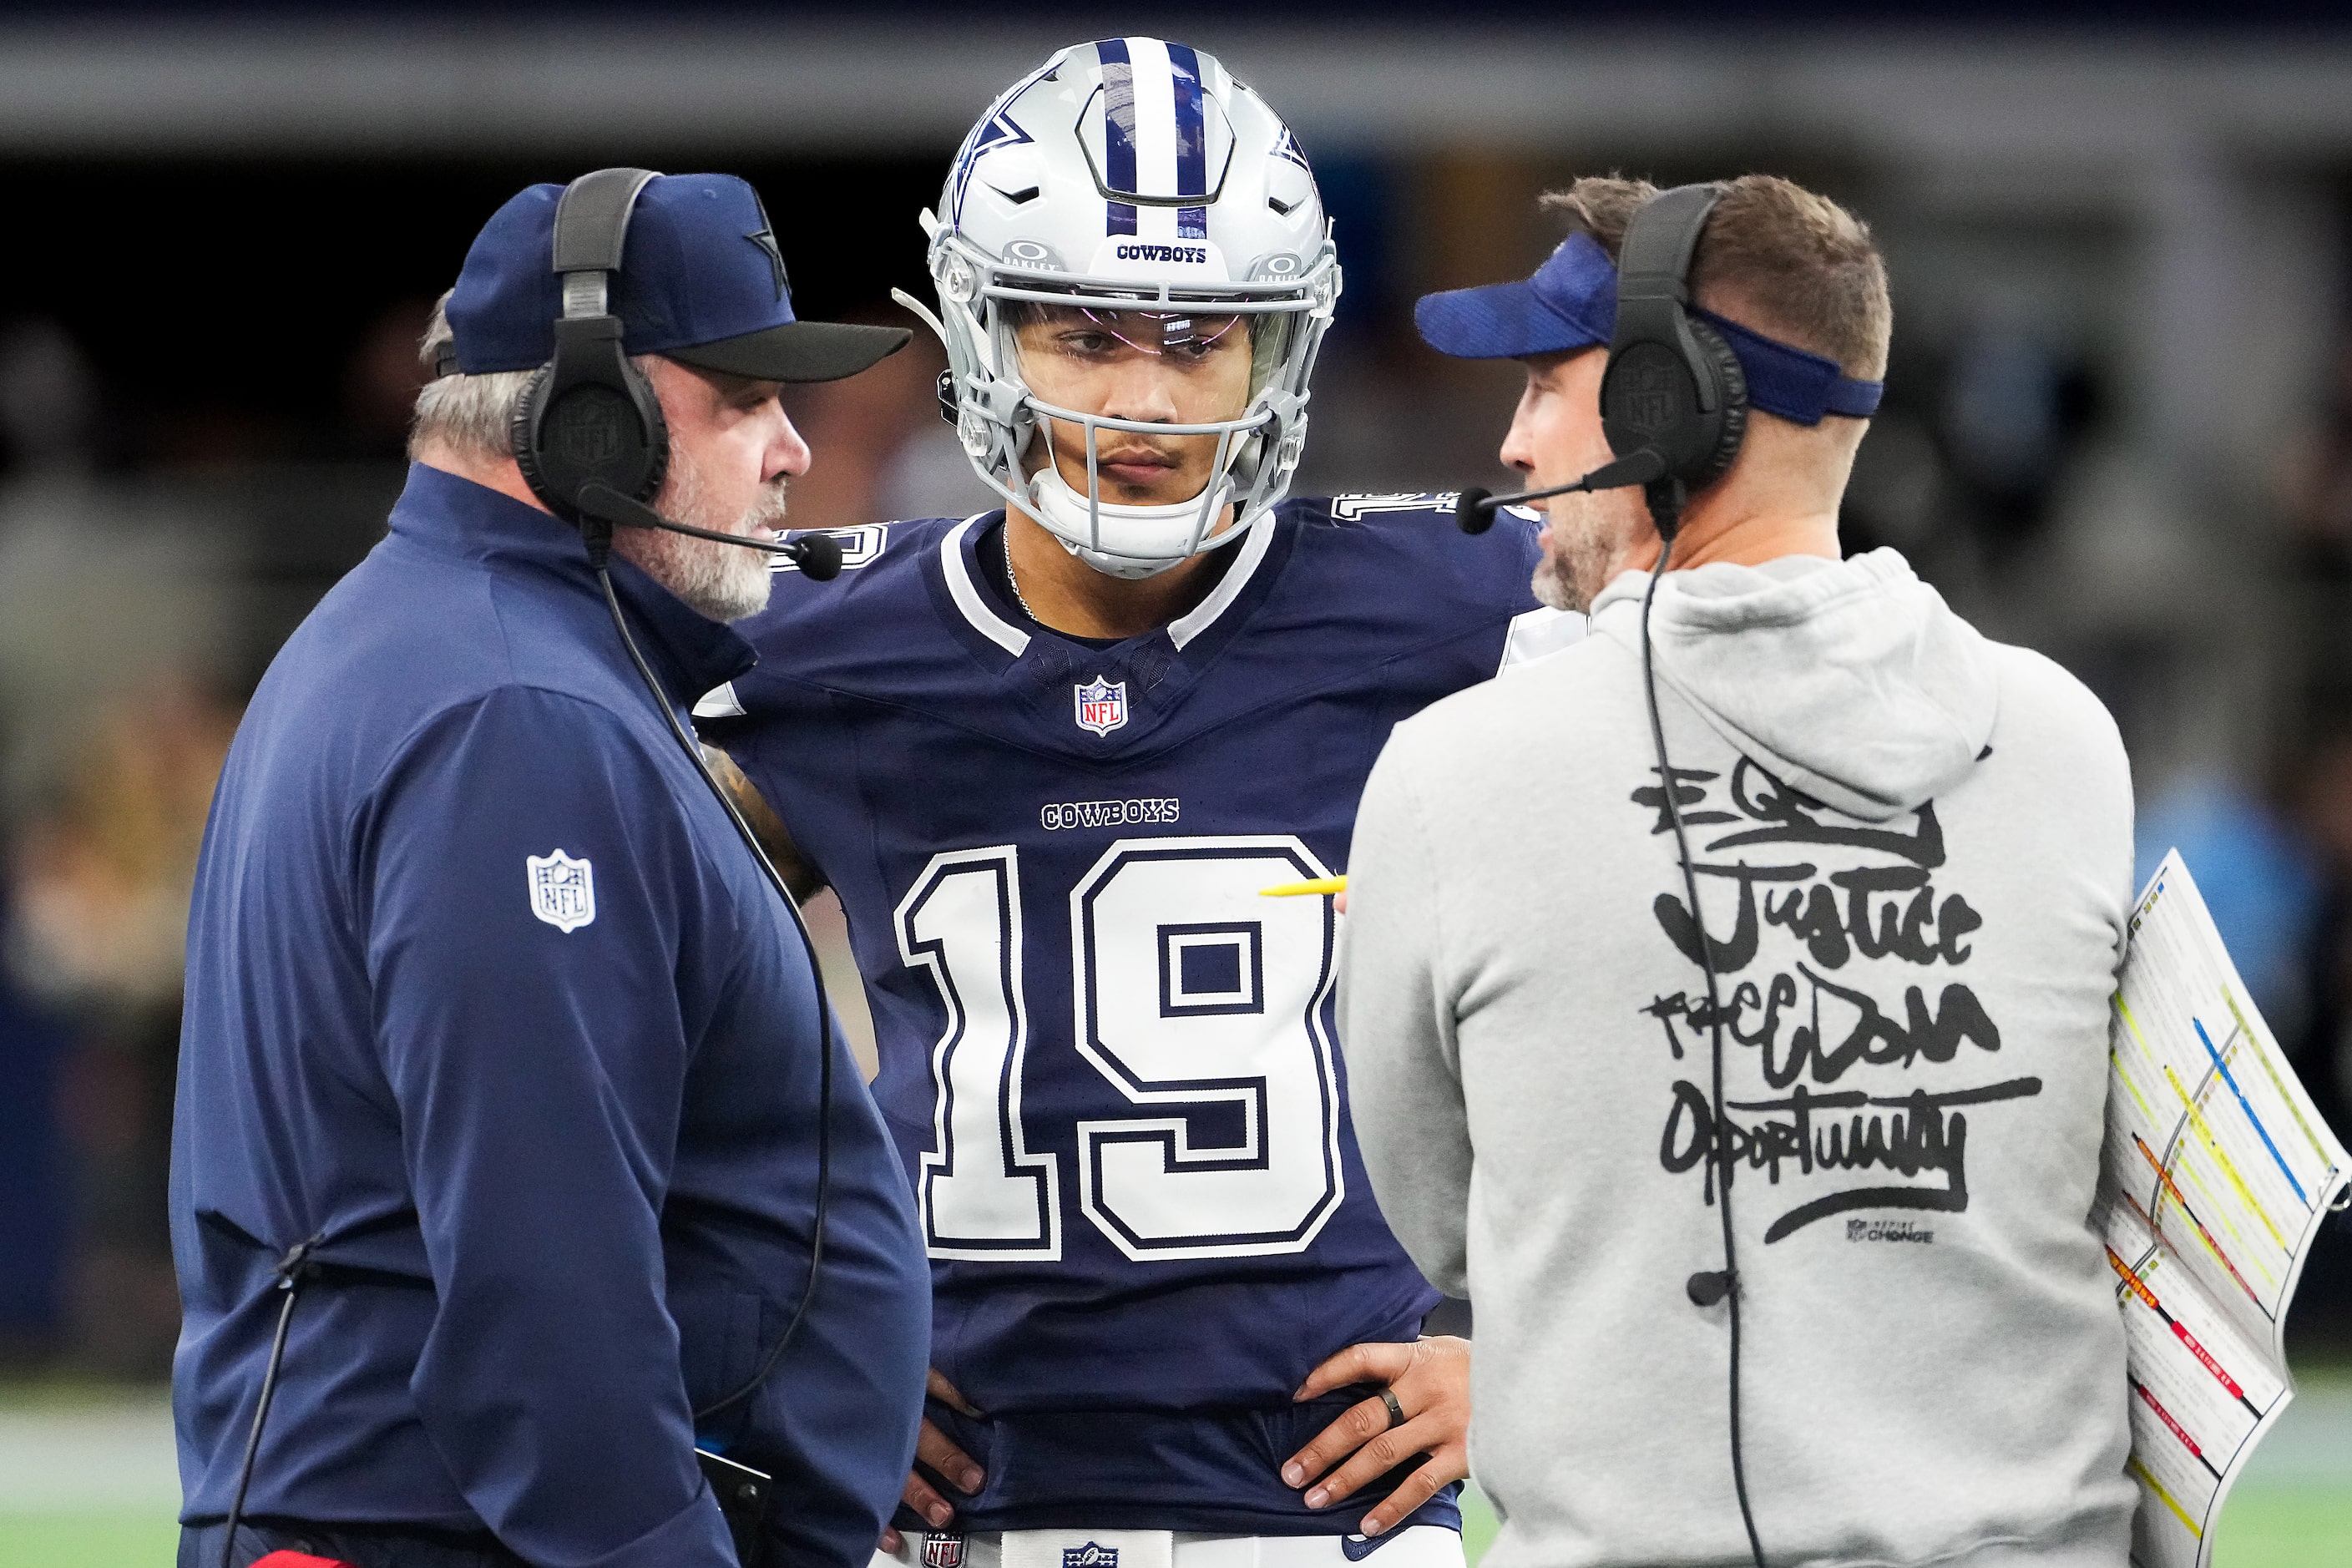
(2118, 428)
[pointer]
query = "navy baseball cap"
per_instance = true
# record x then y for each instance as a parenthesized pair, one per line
(701, 281)
(1571, 303)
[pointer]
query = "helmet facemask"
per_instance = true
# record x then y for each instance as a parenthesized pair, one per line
(1146, 423)
(1023, 339)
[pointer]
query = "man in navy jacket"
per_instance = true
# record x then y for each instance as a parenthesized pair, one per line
(486, 1002)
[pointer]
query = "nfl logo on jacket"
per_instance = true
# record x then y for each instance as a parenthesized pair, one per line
(1102, 705)
(562, 890)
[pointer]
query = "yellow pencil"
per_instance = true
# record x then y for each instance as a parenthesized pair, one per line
(1296, 890)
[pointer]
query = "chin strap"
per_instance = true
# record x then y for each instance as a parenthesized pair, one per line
(1125, 568)
(1063, 512)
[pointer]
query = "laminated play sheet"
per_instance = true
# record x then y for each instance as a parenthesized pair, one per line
(2217, 1173)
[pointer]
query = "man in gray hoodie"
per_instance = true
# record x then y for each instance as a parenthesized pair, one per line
(1912, 848)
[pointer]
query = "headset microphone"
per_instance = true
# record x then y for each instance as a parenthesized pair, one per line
(1474, 510)
(818, 555)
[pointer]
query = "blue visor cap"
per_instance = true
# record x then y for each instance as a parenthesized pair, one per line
(1571, 303)
(700, 281)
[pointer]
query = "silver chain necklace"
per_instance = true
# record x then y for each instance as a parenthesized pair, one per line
(1014, 582)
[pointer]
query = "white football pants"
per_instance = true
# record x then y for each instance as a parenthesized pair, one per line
(1415, 1546)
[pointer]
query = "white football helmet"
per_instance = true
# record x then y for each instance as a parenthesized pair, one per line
(1132, 175)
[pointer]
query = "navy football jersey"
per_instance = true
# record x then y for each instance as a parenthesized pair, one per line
(1108, 1059)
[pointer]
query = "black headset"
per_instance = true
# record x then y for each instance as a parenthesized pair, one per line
(1674, 401)
(589, 417)
(588, 431)
(1673, 404)
(1672, 385)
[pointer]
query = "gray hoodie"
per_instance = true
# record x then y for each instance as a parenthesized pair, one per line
(1914, 853)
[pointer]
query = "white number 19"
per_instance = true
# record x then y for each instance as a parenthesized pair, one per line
(1191, 991)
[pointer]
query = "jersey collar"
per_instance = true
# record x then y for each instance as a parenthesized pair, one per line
(958, 566)
(1204, 615)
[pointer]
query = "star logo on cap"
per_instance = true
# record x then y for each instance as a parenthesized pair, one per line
(765, 238)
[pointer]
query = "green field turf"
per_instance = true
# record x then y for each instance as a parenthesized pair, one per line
(2299, 1527)
(87, 1540)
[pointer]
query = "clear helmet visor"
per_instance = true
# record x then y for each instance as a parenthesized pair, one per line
(1142, 415)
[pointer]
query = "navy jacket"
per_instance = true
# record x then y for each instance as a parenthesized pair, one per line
(483, 989)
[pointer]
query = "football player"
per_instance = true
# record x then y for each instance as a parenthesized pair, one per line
(1050, 757)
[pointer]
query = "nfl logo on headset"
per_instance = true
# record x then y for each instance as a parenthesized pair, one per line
(588, 430)
(1649, 396)
(1090, 1555)
(943, 1551)
(1102, 705)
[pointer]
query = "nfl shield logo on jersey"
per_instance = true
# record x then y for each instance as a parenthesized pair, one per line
(943, 1551)
(1090, 1555)
(562, 890)
(1102, 705)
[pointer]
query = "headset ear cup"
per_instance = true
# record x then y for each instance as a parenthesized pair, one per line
(1731, 391)
(598, 422)
(522, 433)
(641, 386)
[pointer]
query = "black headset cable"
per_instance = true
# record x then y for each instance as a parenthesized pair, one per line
(598, 548)
(289, 1271)
(1665, 499)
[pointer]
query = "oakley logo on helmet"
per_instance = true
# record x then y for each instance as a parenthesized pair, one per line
(1030, 253)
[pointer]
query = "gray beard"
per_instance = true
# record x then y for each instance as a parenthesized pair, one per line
(723, 582)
